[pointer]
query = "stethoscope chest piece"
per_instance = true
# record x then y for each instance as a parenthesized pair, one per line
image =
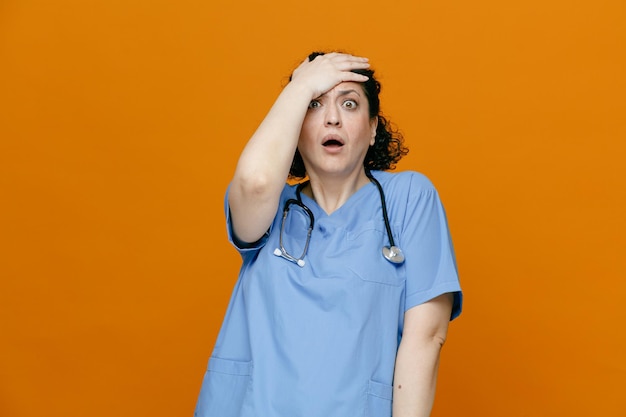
(393, 254)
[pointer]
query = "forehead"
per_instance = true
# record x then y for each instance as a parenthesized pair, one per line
(345, 87)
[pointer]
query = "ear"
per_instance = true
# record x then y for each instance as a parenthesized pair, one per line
(373, 127)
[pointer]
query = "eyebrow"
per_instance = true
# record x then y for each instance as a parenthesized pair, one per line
(342, 93)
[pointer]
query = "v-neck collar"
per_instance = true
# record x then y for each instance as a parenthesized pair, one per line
(352, 200)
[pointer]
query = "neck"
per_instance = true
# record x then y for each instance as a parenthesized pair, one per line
(330, 193)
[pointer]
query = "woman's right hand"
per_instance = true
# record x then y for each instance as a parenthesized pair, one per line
(326, 71)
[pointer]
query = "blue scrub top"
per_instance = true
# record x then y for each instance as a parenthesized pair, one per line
(321, 340)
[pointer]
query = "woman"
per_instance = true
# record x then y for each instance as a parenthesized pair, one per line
(321, 323)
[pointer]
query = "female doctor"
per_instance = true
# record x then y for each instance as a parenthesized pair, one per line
(349, 279)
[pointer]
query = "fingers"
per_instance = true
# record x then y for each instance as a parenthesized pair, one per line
(338, 56)
(344, 62)
(326, 71)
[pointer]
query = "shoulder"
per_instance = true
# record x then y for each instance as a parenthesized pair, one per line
(289, 191)
(408, 191)
(408, 181)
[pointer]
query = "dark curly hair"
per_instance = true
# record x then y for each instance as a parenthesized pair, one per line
(388, 145)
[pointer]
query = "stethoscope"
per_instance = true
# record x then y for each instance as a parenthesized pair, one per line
(392, 253)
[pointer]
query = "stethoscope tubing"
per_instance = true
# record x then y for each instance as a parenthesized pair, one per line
(392, 253)
(384, 205)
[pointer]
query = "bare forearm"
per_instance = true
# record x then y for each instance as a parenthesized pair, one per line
(268, 154)
(415, 380)
(417, 361)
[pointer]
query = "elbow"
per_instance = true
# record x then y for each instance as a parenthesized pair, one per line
(438, 340)
(252, 185)
(431, 342)
(438, 336)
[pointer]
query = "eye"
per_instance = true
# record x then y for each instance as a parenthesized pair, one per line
(314, 104)
(350, 104)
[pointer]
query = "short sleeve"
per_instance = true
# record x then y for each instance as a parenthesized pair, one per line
(430, 263)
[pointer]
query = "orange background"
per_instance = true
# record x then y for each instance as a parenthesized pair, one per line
(120, 125)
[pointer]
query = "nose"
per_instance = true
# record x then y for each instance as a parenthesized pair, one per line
(332, 116)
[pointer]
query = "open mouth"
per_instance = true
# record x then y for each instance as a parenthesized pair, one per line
(332, 142)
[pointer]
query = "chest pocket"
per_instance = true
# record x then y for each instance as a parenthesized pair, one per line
(369, 264)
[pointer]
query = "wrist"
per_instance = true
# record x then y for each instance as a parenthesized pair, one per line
(301, 89)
